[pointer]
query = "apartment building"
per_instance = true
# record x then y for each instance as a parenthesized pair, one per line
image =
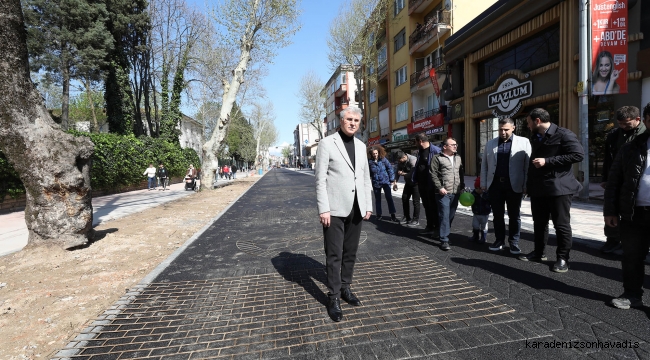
(305, 136)
(411, 75)
(339, 93)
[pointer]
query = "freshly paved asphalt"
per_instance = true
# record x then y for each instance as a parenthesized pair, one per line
(251, 286)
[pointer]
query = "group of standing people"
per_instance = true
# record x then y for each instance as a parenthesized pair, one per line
(228, 172)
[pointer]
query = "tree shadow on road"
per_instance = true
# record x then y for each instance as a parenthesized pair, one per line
(302, 270)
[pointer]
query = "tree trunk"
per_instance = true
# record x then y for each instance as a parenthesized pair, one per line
(95, 127)
(53, 166)
(65, 98)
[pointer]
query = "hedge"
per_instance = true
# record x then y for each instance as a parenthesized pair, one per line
(118, 160)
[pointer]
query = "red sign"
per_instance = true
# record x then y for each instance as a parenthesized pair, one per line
(609, 47)
(374, 141)
(425, 124)
(434, 80)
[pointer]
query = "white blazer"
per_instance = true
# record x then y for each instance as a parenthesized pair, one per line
(518, 164)
(337, 181)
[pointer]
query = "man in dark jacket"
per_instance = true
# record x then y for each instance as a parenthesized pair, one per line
(629, 127)
(627, 206)
(551, 185)
(405, 167)
(163, 178)
(421, 178)
(233, 169)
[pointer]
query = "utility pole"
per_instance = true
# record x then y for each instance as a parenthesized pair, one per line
(583, 96)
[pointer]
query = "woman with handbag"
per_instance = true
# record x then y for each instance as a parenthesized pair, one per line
(382, 176)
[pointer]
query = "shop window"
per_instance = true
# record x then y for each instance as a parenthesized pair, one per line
(530, 54)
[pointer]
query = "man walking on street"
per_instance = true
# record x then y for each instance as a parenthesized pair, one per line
(343, 189)
(233, 169)
(448, 177)
(629, 127)
(503, 173)
(405, 167)
(422, 178)
(151, 177)
(162, 175)
(627, 206)
(551, 185)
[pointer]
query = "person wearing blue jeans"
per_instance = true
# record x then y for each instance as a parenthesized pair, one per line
(383, 177)
(448, 177)
(151, 176)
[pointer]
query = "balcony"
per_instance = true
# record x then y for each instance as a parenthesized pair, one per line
(382, 100)
(381, 69)
(424, 114)
(425, 35)
(418, 6)
(341, 90)
(420, 79)
(340, 106)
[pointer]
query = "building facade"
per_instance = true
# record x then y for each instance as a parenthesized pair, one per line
(339, 93)
(532, 48)
(304, 137)
(411, 75)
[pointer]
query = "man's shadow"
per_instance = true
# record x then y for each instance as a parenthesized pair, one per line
(302, 270)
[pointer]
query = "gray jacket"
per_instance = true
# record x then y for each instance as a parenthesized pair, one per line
(443, 174)
(337, 181)
(517, 166)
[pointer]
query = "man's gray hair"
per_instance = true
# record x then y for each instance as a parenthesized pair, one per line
(355, 110)
(506, 121)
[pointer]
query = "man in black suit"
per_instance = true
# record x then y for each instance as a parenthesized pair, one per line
(551, 185)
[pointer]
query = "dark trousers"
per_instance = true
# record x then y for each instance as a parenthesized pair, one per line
(635, 238)
(557, 209)
(612, 234)
(389, 199)
(447, 205)
(502, 195)
(411, 191)
(341, 244)
(428, 196)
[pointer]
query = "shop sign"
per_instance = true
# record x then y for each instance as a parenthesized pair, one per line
(435, 130)
(400, 135)
(609, 46)
(507, 101)
(425, 124)
(373, 141)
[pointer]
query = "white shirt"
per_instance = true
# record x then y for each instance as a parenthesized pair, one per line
(643, 194)
(151, 172)
(451, 158)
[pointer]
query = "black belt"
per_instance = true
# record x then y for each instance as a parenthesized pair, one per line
(642, 208)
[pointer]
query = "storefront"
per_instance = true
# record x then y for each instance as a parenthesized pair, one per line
(519, 55)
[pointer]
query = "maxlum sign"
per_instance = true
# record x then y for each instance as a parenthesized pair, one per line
(508, 98)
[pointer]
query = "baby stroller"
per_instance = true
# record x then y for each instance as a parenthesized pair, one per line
(190, 182)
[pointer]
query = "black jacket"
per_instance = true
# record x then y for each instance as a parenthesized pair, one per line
(561, 149)
(407, 167)
(624, 178)
(433, 150)
(481, 205)
(612, 145)
(161, 173)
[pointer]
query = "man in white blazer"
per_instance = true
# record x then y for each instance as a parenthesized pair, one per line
(504, 170)
(343, 189)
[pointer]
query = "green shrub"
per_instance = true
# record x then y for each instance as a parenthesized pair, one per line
(118, 160)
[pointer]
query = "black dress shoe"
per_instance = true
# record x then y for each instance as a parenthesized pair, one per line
(560, 266)
(427, 231)
(348, 296)
(533, 257)
(334, 310)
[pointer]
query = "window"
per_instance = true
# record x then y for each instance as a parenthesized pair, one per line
(399, 5)
(344, 78)
(400, 76)
(373, 95)
(373, 124)
(402, 111)
(532, 53)
(371, 39)
(371, 69)
(400, 40)
(381, 56)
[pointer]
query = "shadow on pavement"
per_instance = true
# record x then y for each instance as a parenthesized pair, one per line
(302, 270)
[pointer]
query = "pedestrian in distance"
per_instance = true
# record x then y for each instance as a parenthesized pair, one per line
(448, 177)
(343, 194)
(163, 176)
(627, 207)
(198, 180)
(226, 172)
(233, 169)
(504, 171)
(551, 185)
(383, 177)
(405, 167)
(151, 177)
(422, 179)
(481, 210)
(221, 172)
(629, 127)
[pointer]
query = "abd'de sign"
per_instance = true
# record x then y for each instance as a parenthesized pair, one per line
(508, 99)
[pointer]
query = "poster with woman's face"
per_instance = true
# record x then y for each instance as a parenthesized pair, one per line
(609, 47)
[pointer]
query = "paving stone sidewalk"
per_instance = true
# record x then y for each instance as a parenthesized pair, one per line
(252, 287)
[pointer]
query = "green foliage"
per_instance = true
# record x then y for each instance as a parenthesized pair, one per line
(117, 161)
(9, 180)
(80, 109)
(117, 93)
(240, 140)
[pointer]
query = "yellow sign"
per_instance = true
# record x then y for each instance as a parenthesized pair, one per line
(581, 87)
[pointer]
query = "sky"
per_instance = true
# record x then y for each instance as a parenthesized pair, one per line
(307, 52)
